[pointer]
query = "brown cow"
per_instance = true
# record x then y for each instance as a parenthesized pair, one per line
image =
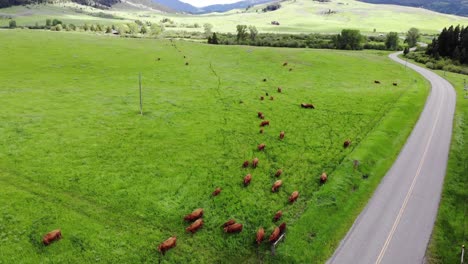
(280, 90)
(261, 98)
(197, 213)
(265, 123)
(262, 117)
(395, 84)
(234, 228)
(245, 164)
(260, 235)
(282, 227)
(274, 235)
(255, 163)
(217, 191)
(166, 245)
(229, 222)
(52, 236)
(293, 196)
(304, 105)
(261, 147)
(285, 64)
(281, 135)
(259, 114)
(247, 179)
(377, 82)
(323, 178)
(276, 185)
(195, 226)
(278, 215)
(261, 130)
(347, 143)
(279, 172)
(271, 98)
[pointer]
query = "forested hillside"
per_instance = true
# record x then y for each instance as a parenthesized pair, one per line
(94, 3)
(456, 7)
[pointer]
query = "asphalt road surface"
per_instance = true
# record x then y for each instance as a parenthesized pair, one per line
(396, 224)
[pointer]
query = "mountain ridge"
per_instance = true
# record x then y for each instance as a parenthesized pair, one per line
(454, 7)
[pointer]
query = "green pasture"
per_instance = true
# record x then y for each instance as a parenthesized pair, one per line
(295, 16)
(76, 154)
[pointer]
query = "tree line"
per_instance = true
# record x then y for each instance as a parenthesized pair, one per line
(348, 39)
(451, 43)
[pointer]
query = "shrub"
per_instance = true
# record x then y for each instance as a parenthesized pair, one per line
(12, 24)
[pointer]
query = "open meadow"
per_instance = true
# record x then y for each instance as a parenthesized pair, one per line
(76, 154)
(295, 16)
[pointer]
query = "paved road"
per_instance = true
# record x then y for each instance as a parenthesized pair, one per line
(396, 224)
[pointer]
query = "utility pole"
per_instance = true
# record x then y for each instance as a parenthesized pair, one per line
(141, 98)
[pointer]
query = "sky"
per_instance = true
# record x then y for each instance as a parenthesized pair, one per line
(200, 3)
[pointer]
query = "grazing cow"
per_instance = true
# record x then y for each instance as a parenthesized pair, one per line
(279, 172)
(261, 130)
(52, 236)
(186, 64)
(166, 245)
(261, 147)
(265, 80)
(195, 226)
(197, 213)
(247, 179)
(245, 164)
(274, 235)
(276, 185)
(293, 196)
(255, 163)
(395, 84)
(282, 227)
(262, 117)
(285, 64)
(281, 134)
(229, 222)
(265, 123)
(217, 191)
(278, 215)
(259, 114)
(377, 82)
(323, 178)
(271, 98)
(261, 98)
(234, 228)
(280, 90)
(304, 105)
(347, 143)
(260, 235)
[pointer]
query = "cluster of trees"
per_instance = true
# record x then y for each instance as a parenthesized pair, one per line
(348, 39)
(271, 7)
(451, 43)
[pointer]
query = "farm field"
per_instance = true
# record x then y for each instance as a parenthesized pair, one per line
(76, 154)
(298, 16)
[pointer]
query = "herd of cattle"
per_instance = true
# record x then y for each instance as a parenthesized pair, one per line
(231, 226)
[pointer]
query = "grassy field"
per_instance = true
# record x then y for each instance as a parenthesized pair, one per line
(451, 229)
(76, 154)
(295, 16)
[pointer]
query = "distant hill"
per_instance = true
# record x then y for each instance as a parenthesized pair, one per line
(455, 7)
(94, 3)
(179, 6)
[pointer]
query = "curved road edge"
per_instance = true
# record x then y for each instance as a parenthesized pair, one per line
(396, 224)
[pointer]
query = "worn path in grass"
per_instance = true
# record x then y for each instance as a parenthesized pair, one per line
(396, 225)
